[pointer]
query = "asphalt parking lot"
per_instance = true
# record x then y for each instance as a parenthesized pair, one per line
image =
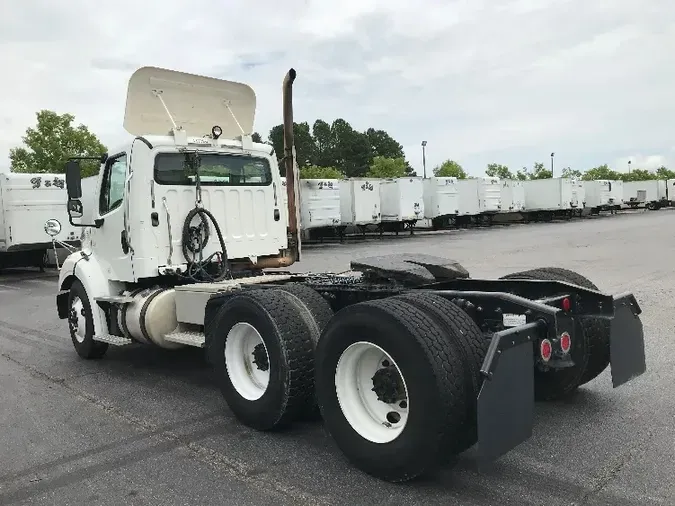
(147, 427)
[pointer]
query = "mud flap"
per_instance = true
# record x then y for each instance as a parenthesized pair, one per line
(506, 399)
(626, 341)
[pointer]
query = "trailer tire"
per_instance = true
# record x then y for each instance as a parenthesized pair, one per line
(464, 334)
(79, 313)
(427, 371)
(594, 358)
(244, 322)
(318, 313)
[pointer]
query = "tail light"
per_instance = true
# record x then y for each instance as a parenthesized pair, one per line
(545, 350)
(565, 342)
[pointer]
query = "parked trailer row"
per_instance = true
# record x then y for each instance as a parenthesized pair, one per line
(408, 360)
(401, 203)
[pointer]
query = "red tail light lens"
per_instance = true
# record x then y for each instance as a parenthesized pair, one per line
(565, 342)
(566, 304)
(546, 350)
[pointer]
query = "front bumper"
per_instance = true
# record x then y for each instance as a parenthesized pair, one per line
(505, 410)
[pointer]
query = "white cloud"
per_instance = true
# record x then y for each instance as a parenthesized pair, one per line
(507, 81)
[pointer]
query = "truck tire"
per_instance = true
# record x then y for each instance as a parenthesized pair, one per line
(261, 350)
(81, 324)
(390, 388)
(317, 306)
(591, 358)
(464, 334)
(318, 313)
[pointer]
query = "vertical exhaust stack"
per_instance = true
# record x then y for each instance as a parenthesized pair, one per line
(292, 175)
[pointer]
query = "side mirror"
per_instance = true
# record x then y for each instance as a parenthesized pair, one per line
(75, 208)
(73, 181)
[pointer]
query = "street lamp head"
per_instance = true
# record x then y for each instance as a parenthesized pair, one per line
(424, 143)
(552, 154)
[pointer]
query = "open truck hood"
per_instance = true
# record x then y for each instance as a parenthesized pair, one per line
(196, 103)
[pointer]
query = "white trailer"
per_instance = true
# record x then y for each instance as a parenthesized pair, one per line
(512, 195)
(670, 191)
(441, 200)
(27, 202)
(402, 202)
(578, 195)
(184, 248)
(651, 194)
(489, 194)
(319, 203)
(360, 202)
(469, 204)
(603, 195)
(546, 199)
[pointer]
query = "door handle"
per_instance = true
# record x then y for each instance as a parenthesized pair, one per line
(124, 241)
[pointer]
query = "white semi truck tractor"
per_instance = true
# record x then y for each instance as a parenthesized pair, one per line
(407, 359)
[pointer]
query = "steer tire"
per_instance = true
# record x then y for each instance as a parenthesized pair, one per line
(317, 314)
(590, 353)
(433, 374)
(87, 347)
(288, 342)
(466, 336)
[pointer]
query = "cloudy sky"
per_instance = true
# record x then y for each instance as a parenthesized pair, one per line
(506, 81)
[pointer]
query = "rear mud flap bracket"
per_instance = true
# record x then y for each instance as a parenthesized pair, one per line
(626, 342)
(505, 413)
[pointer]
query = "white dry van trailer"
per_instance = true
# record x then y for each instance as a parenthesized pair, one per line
(401, 202)
(670, 191)
(27, 202)
(546, 199)
(651, 194)
(407, 358)
(441, 200)
(469, 205)
(603, 195)
(489, 195)
(319, 205)
(512, 195)
(578, 195)
(360, 202)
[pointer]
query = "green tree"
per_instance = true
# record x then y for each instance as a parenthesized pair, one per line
(257, 137)
(382, 144)
(540, 172)
(663, 173)
(324, 144)
(316, 172)
(498, 170)
(54, 139)
(304, 144)
(600, 172)
(450, 168)
(638, 175)
(383, 167)
(571, 173)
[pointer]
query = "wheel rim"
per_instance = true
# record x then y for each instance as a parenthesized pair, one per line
(77, 320)
(372, 392)
(247, 361)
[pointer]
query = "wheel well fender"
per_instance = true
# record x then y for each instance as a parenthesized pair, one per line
(89, 272)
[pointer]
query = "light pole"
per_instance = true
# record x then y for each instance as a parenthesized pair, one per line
(424, 158)
(629, 166)
(552, 155)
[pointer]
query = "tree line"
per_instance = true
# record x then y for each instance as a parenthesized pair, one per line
(324, 150)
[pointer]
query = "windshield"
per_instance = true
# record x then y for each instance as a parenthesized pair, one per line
(215, 169)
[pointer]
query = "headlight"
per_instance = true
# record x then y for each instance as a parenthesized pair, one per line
(52, 227)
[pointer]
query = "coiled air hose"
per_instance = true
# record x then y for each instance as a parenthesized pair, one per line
(194, 239)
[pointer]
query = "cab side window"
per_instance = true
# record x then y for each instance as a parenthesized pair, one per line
(112, 188)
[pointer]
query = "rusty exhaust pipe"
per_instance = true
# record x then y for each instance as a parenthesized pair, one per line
(292, 176)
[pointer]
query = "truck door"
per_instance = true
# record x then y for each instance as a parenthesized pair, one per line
(110, 241)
